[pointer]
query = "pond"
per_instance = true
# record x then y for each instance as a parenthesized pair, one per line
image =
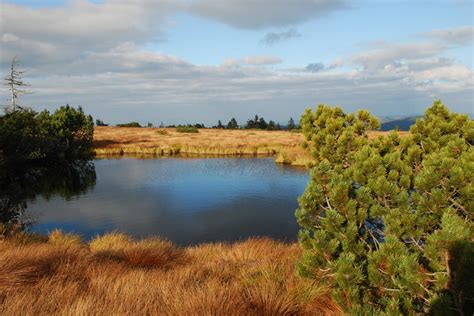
(187, 201)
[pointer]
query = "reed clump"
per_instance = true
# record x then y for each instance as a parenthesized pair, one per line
(114, 274)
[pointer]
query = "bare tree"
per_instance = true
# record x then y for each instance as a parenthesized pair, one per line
(15, 83)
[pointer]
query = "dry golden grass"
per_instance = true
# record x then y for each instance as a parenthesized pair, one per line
(120, 140)
(157, 141)
(116, 275)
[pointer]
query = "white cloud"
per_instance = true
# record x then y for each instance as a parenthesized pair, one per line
(260, 14)
(454, 73)
(262, 60)
(66, 33)
(376, 59)
(456, 36)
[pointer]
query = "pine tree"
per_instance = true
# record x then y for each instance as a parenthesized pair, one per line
(389, 221)
(262, 124)
(233, 124)
(219, 125)
(291, 124)
(253, 123)
(271, 126)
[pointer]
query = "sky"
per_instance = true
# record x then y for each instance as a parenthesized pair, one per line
(188, 61)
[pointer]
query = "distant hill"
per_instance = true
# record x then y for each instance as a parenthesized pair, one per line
(402, 124)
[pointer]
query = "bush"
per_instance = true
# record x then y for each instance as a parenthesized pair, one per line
(131, 124)
(26, 135)
(162, 132)
(187, 129)
(380, 218)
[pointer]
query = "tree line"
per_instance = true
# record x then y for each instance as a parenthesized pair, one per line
(255, 123)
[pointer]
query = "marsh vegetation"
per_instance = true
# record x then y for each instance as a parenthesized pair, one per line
(114, 274)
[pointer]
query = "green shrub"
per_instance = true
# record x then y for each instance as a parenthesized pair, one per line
(187, 129)
(26, 135)
(131, 124)
(380, 218)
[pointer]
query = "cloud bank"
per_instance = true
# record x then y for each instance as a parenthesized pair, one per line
(79, 54)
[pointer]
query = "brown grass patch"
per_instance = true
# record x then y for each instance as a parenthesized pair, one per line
(147, 253)
(26, 265)
(57, 237)
(153, 253)
(116, 275)
(208, 142)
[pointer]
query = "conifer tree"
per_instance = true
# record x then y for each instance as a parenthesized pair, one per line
(262, 124)
(389, 222)
(233, 124)
(291, 124)
(271, 126)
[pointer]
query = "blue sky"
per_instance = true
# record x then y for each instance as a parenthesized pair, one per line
(179, 61)
(339, 34)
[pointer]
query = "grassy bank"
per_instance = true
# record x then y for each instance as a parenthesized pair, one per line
(284, 145)
(207, 142)
(115, 275)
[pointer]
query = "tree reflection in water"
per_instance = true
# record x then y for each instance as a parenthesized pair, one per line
(20, 185)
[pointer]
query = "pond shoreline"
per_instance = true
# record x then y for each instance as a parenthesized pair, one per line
(284, 146)
(281, 156)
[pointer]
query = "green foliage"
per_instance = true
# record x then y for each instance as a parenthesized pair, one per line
(334, 136)
(271, 126)
(187, 129)
(383, 220)
(100, 123)
(258, 123)
(72, 129)
(233, 124)
(131, 124)
(26, 135)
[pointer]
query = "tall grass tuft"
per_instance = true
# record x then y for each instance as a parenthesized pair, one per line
(114, 274)
(153, 253)
(58, 237)
(110, 243)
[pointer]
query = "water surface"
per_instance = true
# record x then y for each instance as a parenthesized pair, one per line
(187, 201)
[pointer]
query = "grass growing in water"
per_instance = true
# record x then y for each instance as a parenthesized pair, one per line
(114, 274)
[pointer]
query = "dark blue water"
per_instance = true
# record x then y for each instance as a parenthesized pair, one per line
(187, 201)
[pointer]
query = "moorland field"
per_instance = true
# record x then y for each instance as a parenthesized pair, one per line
(285, 145)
